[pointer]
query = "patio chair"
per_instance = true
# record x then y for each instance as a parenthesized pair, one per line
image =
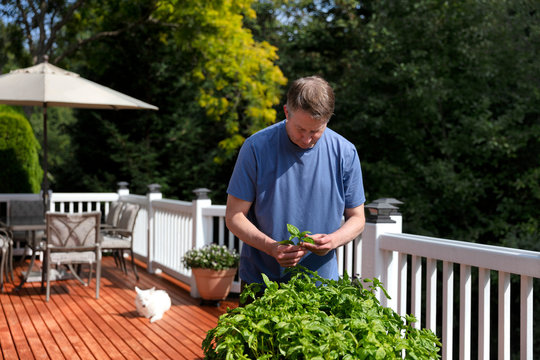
(25, 212)
(29, 211)
(120, 238)
(73, 239)
(111, 221)
(6, 244)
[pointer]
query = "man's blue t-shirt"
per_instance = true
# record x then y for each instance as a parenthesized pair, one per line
(307, 188)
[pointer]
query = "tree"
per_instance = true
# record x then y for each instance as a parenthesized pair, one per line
(457, 113)
(439, 98)
(239, 81)
(21, 172)
(43, 25)
(11, 46)
(213, 83)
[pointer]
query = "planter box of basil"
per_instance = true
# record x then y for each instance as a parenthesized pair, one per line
(214, 268)
(313, 318)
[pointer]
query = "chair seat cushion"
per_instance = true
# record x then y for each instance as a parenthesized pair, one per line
(114, 242)
(73, 257)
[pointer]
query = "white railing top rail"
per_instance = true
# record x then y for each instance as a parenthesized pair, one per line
(214, 210)
(515, 261)
(172, 205)
(136, 199)
(59, 197)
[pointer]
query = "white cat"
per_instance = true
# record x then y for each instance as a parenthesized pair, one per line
(152, 303)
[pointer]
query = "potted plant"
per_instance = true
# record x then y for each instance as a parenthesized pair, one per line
(214, 268)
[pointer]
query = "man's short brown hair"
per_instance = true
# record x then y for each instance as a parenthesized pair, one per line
(313, 95)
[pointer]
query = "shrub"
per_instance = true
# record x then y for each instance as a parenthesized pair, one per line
(314, 318)
(19, 154)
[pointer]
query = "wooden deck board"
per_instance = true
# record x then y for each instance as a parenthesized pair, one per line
(74, 325)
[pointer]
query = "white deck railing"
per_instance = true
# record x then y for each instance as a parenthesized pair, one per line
(166, 229)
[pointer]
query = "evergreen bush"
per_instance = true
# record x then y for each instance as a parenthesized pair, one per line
(19, 154)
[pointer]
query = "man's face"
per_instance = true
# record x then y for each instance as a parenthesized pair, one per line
(302, 129)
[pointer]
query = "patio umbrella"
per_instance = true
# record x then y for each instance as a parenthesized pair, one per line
(48, 85)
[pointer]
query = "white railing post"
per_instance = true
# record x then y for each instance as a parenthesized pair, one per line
(154, 193)
(201, 200)
(377, 263)
(123, 189)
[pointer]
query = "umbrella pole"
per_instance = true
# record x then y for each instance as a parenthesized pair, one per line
(45, 180)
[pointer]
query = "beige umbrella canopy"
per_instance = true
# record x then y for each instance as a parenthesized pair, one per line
(48, 85)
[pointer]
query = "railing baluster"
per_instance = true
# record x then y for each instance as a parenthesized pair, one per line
(431, 294)
(448, 310)
(465, 312)
(484, 308)
(402, 285)
(349, 258)
(221, 232)
(391, 280)
(504, 315)
(340, 260)
(231, 240)
(416, 290)
(170, 248)
(357, 248)
(526, 318)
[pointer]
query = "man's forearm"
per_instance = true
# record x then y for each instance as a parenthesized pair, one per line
(244, 229)
(351, 228)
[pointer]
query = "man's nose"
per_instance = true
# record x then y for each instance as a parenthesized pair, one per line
(306, 139)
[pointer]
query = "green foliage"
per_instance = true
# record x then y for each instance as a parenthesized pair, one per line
(211, 256)
(59, 140)
(439, 98)
(19, 160)
(314, 318)
(213, 83)
(11, 47)
(239, 83)
(296, 234)
(456, 112)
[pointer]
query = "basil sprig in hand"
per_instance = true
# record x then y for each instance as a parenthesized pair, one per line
(295, 233)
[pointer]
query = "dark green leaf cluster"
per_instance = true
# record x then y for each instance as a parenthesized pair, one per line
(212, 256)
(296, 234)
(21, 172)
(314, 318)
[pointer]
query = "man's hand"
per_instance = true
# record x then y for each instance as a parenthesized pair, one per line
(353, 226)
(322, 244)
(287, 255)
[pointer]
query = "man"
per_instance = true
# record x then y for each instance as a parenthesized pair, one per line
(296, 172)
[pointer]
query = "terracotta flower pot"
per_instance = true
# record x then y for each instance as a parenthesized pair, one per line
(213, 284)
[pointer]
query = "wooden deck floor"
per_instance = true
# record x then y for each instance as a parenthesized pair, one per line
(74, 325)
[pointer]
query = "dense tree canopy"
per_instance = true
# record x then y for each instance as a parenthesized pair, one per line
(214, 85)
(441, 99)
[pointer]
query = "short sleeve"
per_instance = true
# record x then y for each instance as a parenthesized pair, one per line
(353, 184)
(244, 177)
